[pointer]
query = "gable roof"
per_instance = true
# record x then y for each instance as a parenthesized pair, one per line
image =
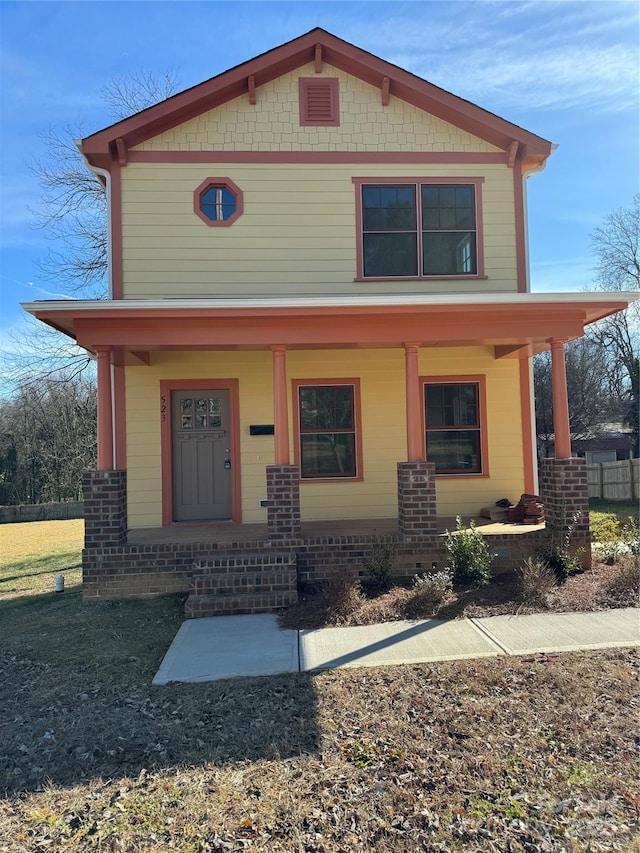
(317, 45)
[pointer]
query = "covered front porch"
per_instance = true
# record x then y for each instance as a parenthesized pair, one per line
(145, 348)
(229, 568)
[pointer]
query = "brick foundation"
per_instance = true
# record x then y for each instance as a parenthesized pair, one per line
(105, 508)
(416, 499)
(148, 570)
(565, 494)
(283, 508)
(113, 569)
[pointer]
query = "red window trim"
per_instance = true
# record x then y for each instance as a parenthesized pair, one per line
(305, 84)
(314, 383)
(475, 181)
(218, 182)
(481, 381)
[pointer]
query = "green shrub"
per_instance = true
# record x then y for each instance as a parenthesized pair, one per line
(379, 566)
(561, 560)
(469, 555)
(609, 552)
(558, 554)
(605, 527)
(427, 594)
(536, 579)
(631, 535)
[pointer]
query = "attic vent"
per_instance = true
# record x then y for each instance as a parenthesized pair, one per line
(319, 102)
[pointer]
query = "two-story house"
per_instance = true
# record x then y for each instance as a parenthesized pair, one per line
(319, 330)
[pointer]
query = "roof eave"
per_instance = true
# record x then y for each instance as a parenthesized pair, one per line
(280, 60)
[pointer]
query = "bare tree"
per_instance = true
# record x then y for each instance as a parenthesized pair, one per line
(588, 390)
(73, 206)
(72, 213)
(40, 353)
(616, 244)
(128, 95)
(47, 438)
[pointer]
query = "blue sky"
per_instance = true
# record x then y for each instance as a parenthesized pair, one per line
(568, 71)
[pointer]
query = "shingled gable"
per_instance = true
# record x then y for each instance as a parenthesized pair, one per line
(316, 46)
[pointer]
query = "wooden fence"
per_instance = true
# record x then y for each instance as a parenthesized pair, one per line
(614, 481)
(41, 512)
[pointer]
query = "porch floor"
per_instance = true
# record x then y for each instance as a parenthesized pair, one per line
(227, 532)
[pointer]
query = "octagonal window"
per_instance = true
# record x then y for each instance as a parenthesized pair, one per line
(218, 201)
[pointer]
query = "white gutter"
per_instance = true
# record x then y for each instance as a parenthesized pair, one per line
(532, 403)
(107, 179)
(525, 209)
(370, 300)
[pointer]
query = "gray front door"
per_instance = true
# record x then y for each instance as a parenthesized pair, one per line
(201, 455)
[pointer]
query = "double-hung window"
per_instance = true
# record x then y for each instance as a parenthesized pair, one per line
(419, 229)
(454, 426)
(327, 439)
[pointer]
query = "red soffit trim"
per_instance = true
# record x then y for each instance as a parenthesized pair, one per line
(293, 55)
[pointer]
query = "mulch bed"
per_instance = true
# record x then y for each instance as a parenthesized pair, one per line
(586, 591)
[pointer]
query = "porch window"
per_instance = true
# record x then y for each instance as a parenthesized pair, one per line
(453, 427)
(419, 229)
(328, 446)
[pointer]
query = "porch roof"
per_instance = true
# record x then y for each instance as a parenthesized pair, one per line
(516, 324)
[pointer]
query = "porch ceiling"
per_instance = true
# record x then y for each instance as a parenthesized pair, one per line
(515, 324)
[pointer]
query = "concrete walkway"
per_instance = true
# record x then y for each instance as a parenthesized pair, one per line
(231, 646)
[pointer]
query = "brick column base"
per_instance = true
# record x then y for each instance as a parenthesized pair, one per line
(283, 496)
(565, 494)
(416, 499)
(105, 508)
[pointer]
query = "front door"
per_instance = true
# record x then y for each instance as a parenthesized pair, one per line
(201, 439)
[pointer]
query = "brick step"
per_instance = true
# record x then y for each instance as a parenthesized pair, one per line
(245, 561)
(228, 605)
(242, 583)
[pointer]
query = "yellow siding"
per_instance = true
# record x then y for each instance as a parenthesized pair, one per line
(297, 235)
(381, 374)
(273, 124)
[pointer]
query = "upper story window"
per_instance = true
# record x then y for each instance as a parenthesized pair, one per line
(218, 201)
(419, 229)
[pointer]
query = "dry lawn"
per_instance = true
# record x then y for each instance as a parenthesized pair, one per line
(530, 754)
(32, 554)
(535, 754)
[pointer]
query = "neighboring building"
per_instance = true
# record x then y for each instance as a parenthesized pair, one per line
(605, 443)
(319, 312)
(611, 442)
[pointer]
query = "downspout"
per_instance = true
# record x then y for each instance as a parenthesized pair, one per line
(103, 173)
(532, 405)
(525, 177)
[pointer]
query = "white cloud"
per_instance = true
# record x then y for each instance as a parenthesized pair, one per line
(540, 55)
